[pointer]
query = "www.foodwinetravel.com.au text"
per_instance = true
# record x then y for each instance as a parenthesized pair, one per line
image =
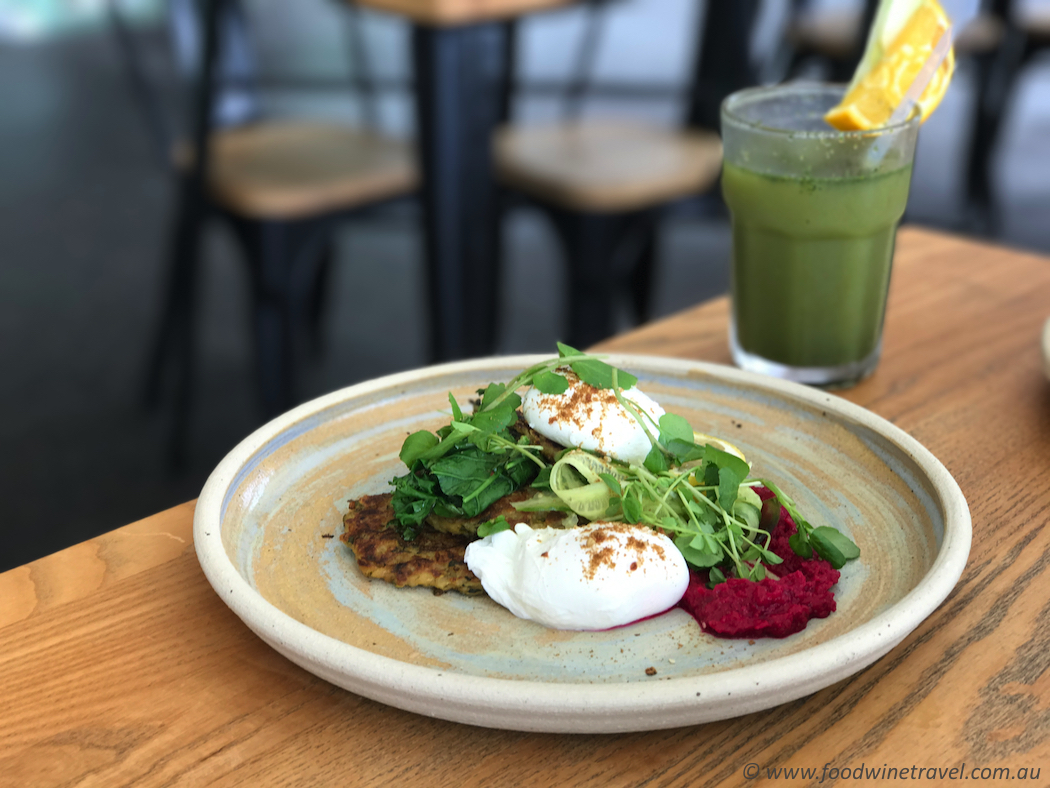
(886, 772)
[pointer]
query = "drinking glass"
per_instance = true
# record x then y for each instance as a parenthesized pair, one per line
(814, 214)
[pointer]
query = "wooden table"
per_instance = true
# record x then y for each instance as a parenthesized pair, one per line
(120, 666)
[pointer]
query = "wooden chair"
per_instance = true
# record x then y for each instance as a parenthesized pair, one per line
(1008, 42)
(835, 37)
(282, 185)
(605, 183)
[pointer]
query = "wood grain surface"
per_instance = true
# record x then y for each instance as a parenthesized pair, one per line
(460, 12)
(120, 666)
(606, 166)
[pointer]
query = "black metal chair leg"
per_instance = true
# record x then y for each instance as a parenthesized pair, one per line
(318, 298)
(996, 82)
(590, 244)
(643, 273)
(273, 315)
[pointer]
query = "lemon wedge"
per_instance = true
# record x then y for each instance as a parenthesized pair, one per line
(700, 439)
(902, 38)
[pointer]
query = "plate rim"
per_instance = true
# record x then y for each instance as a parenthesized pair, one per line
(521, 704)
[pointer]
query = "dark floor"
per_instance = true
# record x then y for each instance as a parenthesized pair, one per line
(83, 210)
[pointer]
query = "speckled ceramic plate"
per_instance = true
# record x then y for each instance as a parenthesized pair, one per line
(267, 524)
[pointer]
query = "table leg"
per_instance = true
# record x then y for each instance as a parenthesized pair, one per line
(459, 80)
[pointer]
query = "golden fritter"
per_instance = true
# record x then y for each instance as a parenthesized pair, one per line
(432, 559)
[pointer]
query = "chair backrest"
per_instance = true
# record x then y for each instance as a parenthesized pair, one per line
(238, 95)
(722, 64)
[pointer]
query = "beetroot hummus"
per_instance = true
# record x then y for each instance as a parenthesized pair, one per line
(769, 608)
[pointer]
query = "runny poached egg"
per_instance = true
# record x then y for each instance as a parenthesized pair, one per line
(592, 419)
(593, 577)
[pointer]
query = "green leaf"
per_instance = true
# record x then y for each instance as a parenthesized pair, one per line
(724, 459)
(415, 445)
(632, 506)
(798, 542)
(457, 414)
(698, 557)
(833, 546)
(684, 451)
(497, 419)
(612, 482)
(490, 394)
(728, 484)
(550, 383)
(757, 573)
(770, 515)
(674, 427)
(770, 557)
(599, 374)
(543, 479)
(656, 461)
(565, 351)
(710, 475)
(714, 577)
(462, 473)
(490, 527)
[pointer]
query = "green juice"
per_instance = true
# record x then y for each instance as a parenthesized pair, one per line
(812, 262)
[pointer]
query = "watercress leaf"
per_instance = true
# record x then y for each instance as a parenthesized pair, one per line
(710, 475)
(550, 383)
(413, 499)
(728, 484)
(457, 414)
(491, 394)
(697, 557)
(724, 459)
(674, 426)
(565, 351)
(487, 494)
(684, 451)
(669, 523)
(798, 542)
(656, 461)
(463, 472)
(490, 527)
(770, 515)
(612, 482)
(769, 557)
(714, 577)
(416, 444)
(757, 573)
(599, 374)
(495, 420)
(751, 554)
(632, 506)
(833, 546)
(543, 479)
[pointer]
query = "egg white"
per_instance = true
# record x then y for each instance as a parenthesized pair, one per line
(593, 577)
(592, 419)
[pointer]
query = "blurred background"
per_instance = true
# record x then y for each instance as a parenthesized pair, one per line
(90, 111)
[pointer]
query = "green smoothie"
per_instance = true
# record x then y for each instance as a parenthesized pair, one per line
(812, 262)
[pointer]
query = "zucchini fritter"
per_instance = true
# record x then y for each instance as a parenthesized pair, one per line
(432, 559)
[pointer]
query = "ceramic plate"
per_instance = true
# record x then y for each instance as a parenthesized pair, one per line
(267, 524)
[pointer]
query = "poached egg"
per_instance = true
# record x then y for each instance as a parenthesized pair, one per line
(593, 577)
(592, 419)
